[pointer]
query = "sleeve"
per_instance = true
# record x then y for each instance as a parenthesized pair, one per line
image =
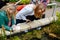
(2, 22)
(13, 22)
(21, 14)
(23, 17)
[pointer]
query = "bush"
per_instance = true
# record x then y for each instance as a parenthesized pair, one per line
(13, 0)
(22, 1)
(10, 0)
(25, 2)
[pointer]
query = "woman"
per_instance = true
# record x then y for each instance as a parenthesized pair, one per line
(6, 16)
(28, 13)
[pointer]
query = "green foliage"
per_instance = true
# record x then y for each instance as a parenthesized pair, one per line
(13, 0)
(58, 0)
(55, 26)
(10, 0)
(30, 35)
(22, 1)
(16, 38)
(25, 2)
(3, 35)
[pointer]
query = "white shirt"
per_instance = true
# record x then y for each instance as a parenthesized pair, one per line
(27, 10)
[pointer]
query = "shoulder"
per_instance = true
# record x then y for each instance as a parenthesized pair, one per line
(2, 12)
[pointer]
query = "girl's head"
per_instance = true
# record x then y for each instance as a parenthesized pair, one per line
(10, 9)
(39, 10)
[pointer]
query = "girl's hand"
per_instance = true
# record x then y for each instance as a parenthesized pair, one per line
(9, 24)
(16, 28)
(28, 20)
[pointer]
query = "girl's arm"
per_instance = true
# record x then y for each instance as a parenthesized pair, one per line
(2, 22)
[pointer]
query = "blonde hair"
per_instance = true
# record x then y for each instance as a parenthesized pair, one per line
(9, 6)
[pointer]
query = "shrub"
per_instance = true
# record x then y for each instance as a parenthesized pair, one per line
(25, 2)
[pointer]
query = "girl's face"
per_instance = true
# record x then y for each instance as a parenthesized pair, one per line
(11, 10)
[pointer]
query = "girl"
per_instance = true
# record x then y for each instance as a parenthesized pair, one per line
(6, 16)
(44, 2)
(21, 15)
(29, 13)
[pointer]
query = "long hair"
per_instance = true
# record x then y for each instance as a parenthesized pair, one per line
(7, 6)
(38, 10)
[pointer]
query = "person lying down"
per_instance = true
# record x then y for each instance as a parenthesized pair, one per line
(6, 16)
(29, 13)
